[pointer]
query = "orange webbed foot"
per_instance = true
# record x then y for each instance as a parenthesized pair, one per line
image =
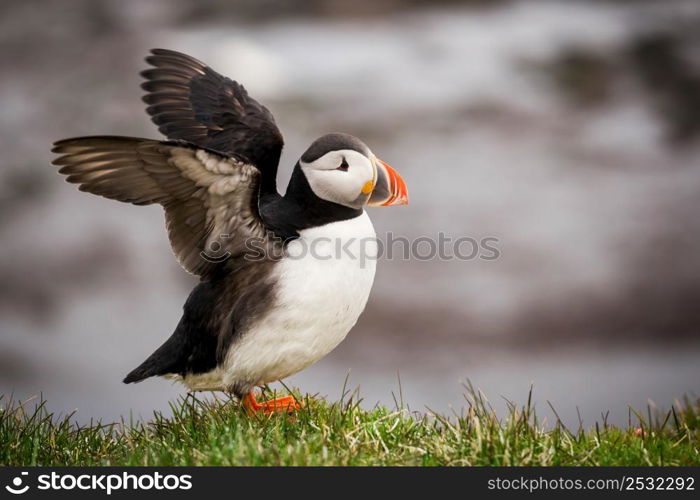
(286, 404)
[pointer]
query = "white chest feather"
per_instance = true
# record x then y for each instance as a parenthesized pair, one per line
(322, 288)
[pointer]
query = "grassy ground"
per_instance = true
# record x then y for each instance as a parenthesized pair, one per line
(324, 433)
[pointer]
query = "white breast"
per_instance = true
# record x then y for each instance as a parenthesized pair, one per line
(322, 288)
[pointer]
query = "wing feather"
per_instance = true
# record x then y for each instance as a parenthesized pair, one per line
(210, 200)
(190, 101)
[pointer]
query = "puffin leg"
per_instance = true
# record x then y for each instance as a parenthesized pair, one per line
(286, 404)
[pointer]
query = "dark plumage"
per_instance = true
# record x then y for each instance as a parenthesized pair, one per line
(199, 344)
(190, 101)
(144, 171)
(332, 142)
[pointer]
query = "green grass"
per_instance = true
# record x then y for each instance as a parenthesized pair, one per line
(218, 432)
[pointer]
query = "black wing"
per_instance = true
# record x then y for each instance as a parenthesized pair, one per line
(190, 101)
(210, 200)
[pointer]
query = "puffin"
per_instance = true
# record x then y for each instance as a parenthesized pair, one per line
(282, 278)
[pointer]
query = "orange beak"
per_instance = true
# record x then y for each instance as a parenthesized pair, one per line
(390, 188)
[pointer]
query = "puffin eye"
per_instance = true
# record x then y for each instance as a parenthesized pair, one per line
(343, 166)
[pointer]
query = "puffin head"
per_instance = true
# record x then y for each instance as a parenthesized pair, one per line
(341, 169)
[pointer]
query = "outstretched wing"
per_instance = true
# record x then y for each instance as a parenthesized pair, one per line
(210, 200)
(190, 101)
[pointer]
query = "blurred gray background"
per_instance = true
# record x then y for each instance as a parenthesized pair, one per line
(568, 130)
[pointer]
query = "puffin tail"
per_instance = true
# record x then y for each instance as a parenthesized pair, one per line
(190, 348)
(148, 368)
(143, 371)
(166, 359)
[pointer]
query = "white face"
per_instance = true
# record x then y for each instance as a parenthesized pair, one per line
(345, 177)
